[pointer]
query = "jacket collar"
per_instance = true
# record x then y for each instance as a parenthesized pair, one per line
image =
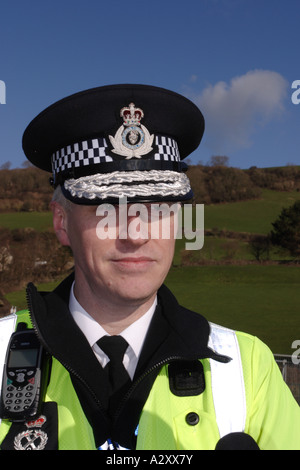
(176, 332)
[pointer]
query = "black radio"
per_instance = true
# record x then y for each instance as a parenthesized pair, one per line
(25, 377)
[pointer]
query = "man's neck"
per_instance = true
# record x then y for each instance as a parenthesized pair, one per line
(114, 316)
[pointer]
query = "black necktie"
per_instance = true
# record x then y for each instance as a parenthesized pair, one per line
(115, 347)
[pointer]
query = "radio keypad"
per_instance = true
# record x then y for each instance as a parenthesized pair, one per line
(19, 395)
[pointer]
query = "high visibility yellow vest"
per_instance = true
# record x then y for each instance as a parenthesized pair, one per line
(170, 422)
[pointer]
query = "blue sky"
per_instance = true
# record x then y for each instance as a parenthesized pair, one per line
(236, 59)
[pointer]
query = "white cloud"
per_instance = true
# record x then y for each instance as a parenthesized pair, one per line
(234, 111)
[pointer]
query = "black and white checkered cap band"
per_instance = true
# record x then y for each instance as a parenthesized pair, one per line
(95, 151)
(167, 149)
(88, 152)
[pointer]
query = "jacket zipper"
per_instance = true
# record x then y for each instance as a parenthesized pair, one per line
(60, 359)
(153, 368)
(142, 377)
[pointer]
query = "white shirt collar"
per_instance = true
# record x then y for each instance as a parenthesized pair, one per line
(134, 334)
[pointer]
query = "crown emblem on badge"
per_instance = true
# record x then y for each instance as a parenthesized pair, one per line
(132, 116)
(132, 139)
(34, 438)
(37, 423)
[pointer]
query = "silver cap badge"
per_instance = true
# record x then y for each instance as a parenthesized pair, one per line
(132, 139)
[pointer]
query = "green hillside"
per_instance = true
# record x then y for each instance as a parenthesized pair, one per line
(260, 300)
(39, 221)
(254, 216)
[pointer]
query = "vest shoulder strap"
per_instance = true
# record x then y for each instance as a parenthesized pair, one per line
(227, 380)
(7, 327)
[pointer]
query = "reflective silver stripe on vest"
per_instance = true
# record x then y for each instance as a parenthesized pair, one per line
(7, 327)
(228, 386)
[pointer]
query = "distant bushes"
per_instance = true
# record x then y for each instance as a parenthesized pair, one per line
(221, 184)
(24, 180)
(25, 189)
(27, 255)
(286, 178)
(28, 189)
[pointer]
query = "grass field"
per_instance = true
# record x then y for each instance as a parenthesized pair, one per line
(261, 300)
(37, 220)
(18, 298)
(255, 216)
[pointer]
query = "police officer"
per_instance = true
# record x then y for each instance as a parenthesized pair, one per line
(131, 368)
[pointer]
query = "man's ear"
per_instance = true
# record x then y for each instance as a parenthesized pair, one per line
(60, 223)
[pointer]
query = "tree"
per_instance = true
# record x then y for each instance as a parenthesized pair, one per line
(27, 164)
(286, 229)
(219, 160)
(259, 246)
(5, 166)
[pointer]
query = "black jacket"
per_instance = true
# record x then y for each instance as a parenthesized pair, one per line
(175, 335)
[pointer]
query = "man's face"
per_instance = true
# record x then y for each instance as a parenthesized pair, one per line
(124, 269)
